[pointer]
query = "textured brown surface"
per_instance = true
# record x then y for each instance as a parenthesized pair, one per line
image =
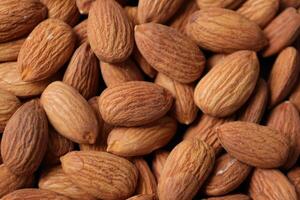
(80, 31)
(229, 4)
(231, 197)
(295, 96)
(143, 64)
(294, 177)
(34, 194)
(142, 197)
(132, 12)
(158, 162)
(84, 6)
(9, 51)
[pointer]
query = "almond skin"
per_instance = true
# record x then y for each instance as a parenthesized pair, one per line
(34, 194)
(282, 31)
(282, 79)
(185, 64)
(132, 12)
(230, 4)
(9, 51)
(231, 197)
(289, 3)
(142, 197)
(108, 20)
(295, 96)
(253, 144)
(27, 127)
(158, 11)
(143, 64)
(158, 162)
(271, 184)
(294, 177)
(80, 31)
(117, 174)
(224, 31)
(141, 140)
(45, 50)
(83, 71)
(185, 170)
(226, 87)
(69, 113)
(143, 97)
(19, 17)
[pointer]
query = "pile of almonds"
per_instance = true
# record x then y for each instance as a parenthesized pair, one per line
(150, 99)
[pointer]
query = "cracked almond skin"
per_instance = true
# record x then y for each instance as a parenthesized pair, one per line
(113, 177)
(55, 180)
(282, 79)
(294, 177)
(34, 194)
(69, 113)
(9, 51)
(27, 127)
(143, 97)
(226, 87)
(231, 197)
(19, 17)
(224, 31)
(158, 11)
(229, 4)
(83, 71)
(158, 162)
(271, 184)
(108, 20)
(185, 170)
(227, 175)
(253, 144)
(141, 140)
(48, 47)
(282, 31)
(185, 63)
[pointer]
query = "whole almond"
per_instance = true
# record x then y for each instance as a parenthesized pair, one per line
(108, 20)
(230, 4)
(184, 108)
(158, 162)
(45, 50)
(259, 11)
(185, 64)
(295, 96)
(56, 180)
(282, 79)
(117, 174)
(142, 197)
(80, 31)
(224, 31)
(9, 51)
(19, 17)
(143, 97)
(28, 127)
(69, 113)
(294, 177)
(83, 71)
(282, 31)
(84, 6)
(271, 184)
(226, 87)
(227, 175)
(185, 170)
(253, 144)
(143, 64)
(34, 194)
(114, 74)
(158, 11)
(231, 197)
(141, 140)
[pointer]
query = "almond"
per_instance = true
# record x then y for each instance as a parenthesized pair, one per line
(184, 108)
(80, 31)
(141, 140)
(27, 127)
(226, 87)
(83, 71)
(231, 197)
(295, 96)
(117, 174)
(271, 184)
(225, 31)
(132, 12)
(158, 162)
(289, 3)
(69, 113)
(184, 64)
(143, 97)
(19, 17)
(142, 197)
(185, 170)
(294, 177)
(45, 50)
(259, 11)
(143, 64)
(108, 20)
(227, 175)
(115, 74)
(34, 194)
(84, 6)
(230, 4)
(214, 60)
(253, 144)
(282, 31)
(158, 11)
(282, 79)
(9, 51)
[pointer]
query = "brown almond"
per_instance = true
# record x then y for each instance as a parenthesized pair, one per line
(28, 127)
(294, 177)
(295, 96)
(45, 50)
(224, 31)
(117, 174)
(230, 4)
(143, 97)
(34, 194)
(185, 170)
(158, 162)
(132, 12)
(226, 87)
(69, 113)
(282, 31)
(80, 31)
(184, 64)
(141, 140)
(108, 20)
(214, 60)
(83, 71)
(19, 17)
(9, 51)
(143, 64)
(253, 144)
(84, 6)
(282, 79)
(142, 197)
(231, 197)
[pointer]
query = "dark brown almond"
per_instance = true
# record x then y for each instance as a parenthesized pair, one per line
(294, 177)
(231, 197)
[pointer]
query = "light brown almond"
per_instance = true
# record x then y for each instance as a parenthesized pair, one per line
(9, 51)
(158, 162)
(230, 4)
(34, 194)
(214, 60)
